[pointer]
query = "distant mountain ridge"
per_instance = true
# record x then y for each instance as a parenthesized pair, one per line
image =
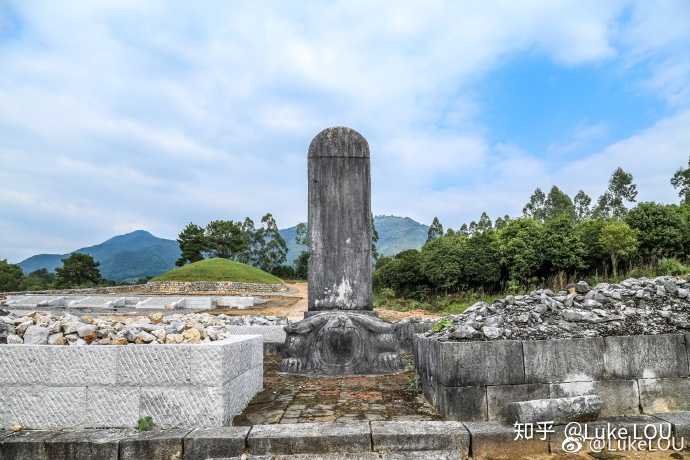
(139, 254)
(125, 257)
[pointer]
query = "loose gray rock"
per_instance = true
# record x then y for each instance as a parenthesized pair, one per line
(36, 335)
(558, 410)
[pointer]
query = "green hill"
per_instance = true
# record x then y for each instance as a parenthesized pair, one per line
(219, 270)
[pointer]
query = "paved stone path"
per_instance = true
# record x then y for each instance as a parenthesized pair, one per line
(300, 399)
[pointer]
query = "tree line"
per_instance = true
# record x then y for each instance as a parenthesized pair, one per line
(556, 240)
(77, 271)
(261, 247)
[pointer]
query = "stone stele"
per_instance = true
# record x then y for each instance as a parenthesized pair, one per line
(340, 334)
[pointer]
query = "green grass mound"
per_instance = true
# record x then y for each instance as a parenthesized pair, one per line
(219, 270)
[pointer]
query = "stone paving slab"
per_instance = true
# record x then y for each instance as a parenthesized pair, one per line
(215, 442)
(153, 445)
(309, 438)
(420, 436)
(496, 441)
(101, 444)
(25, 445)
(680, 421)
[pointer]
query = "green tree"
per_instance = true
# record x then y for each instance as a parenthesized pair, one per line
(38, 280)
(535, 208)
(484, 223)
(77, 270)
(519, 243)
(443, 262)
(273, 251)
(402, 273)
(681, 182)
(302, 234)
(602, 210)
(435, 230)
(248, 254)
(662, 230)
(619, 241)
(621, 190)
(11, 276)
(192, 241)
(472, 229)
(302, 265)
(588, 231)
(225, 239)
(464, 230)
(562, 248)
(558, 203)
(501, 222)
(582, 202)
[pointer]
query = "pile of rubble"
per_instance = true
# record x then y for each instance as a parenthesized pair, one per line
(39, 328)
(635, 306)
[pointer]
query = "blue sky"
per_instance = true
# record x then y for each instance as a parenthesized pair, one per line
(118, 115)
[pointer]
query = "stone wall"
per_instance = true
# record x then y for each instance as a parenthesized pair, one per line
(49, 387)
(474, 381)
(175, 288)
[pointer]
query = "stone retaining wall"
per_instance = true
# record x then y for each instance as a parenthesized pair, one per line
(474, 381)
(48, 387)
(175, 288)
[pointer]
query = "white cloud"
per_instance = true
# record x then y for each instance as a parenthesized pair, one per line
(115, 115)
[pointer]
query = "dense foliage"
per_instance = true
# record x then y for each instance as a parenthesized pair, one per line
(78, 270)
(557, 240)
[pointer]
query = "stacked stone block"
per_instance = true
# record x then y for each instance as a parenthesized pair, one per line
(207, 384)
(475, 381)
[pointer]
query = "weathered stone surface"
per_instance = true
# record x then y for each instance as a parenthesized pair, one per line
(480, 363)
(500, 396)
(22, 365)
(461, 403)
(496, 441)
(426, 455)
(558, 410)
(36, 335)
(86, 444)
(680, 421)
(341, 343)
(664, 395)
(108, 406)
(420, 436)
(204, 443)
(153, 445)
(632, 424)
(646, 356)
(339, 221)
(619, 397)
(154, 365)
(566, 360)
(40, 407)
(309, 438)
(271, 334)
(25, 445)
(78, 366)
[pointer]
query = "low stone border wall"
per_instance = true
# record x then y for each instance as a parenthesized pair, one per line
(363, 440)
(475, 381)
(174, 288)
(335, 441)
(46, 387)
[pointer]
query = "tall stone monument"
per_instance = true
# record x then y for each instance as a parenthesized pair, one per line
(340, 334)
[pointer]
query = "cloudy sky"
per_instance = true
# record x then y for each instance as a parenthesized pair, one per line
(118, 115)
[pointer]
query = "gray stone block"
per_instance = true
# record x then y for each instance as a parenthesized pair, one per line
(496, 441)
(182, 406)
(217, 363)
(479, 363)
(78, 366)
(25, 364)
(680, 421)
(461, 403)
(557, 410)
(310, 438)
(664, 395)
(646, 356)
(565, 360)
(112, 407)
(238, 393)
(271, 334)
(499, 396)
(86, 445)
(420, 436)
(204, 443)
(26, 445)
(39, 407)
(619, 397)
(417, 455)
(153, 365)
(153, 445)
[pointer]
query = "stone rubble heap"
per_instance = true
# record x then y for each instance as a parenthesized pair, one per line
(39, 328)
(635, 306)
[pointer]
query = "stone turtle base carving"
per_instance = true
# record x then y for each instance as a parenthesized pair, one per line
(341, 343)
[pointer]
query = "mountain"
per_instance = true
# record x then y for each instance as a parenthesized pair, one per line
(122, 258)
(395, 234)
(138, 254)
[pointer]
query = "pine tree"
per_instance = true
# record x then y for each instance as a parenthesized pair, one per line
(681, 182)
(192, 242)
(582, 204)
(558, 203)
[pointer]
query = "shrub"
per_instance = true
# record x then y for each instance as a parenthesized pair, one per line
(441, 325)
(671, 266)
(145, 423)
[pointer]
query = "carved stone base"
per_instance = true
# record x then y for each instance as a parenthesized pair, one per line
(341, 343)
